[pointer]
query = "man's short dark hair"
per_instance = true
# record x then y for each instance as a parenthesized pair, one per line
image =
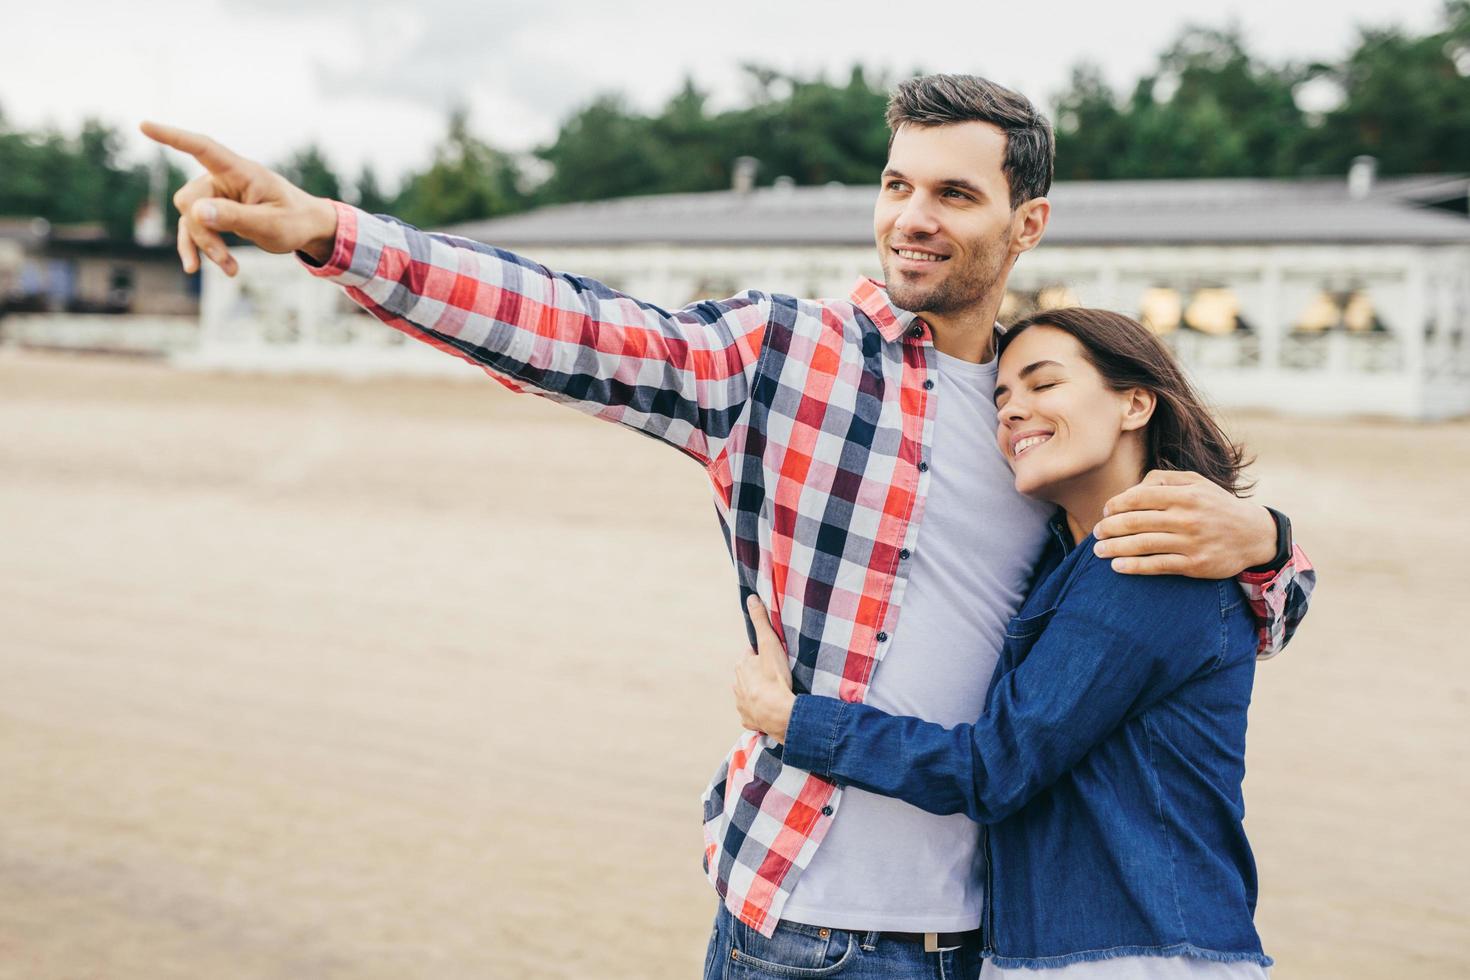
(938, 100)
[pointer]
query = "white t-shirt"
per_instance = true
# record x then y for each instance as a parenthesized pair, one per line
(886, 865)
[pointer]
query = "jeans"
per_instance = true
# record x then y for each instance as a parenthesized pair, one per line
(796, 950)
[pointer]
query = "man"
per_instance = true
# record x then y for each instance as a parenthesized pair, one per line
(850, 447)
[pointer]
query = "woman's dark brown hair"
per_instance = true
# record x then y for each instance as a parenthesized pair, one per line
(1182, 434)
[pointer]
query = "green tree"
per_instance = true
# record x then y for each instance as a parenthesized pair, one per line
(24, 189)
(1247, 106)
(1407, 101)
(309, 170)
(820, 132)
(804, 128)
(690, 146)
(1093, 133)
(73, 180)
(605, 150)
(1209, 109)
(369, 195)
(468, 180)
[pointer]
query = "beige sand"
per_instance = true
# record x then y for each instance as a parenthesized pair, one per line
(420, 679)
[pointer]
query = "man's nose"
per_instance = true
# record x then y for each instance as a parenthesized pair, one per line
(917, 217)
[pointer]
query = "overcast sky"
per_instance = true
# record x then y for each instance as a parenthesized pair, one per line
(371, 81)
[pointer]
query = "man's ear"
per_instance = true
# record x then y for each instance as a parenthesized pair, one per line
(1029, 224)
(1138, 409)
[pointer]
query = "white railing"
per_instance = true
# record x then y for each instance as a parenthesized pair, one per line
(122, 334)
(1341, 353)
(1240, 351)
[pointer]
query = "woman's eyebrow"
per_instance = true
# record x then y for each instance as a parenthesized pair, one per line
(1036, 366)
(1028, 369)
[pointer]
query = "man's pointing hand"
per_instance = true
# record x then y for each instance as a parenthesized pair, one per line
(241, 196)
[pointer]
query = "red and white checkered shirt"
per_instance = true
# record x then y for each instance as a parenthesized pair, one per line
(814, 420)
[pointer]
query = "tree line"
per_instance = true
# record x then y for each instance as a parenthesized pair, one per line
(1209, 107)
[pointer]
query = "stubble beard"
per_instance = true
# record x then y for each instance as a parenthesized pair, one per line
(962, 289)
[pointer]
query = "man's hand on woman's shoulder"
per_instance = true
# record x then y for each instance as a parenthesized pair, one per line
(1176, 523)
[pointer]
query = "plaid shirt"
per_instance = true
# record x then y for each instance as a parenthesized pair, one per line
(814, 420)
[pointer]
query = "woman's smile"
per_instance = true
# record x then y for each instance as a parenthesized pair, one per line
(1025, 441)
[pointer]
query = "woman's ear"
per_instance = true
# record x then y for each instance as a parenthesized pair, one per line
(1138, 408)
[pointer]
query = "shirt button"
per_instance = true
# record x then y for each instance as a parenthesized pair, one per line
(923, 466)
(928, 384)
(916, 332)
(826, 811)
(882, 637)
(904, 554)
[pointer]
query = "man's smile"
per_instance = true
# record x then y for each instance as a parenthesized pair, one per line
(921, 257)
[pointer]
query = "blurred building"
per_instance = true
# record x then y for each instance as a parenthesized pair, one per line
(1325, 296)
(72, 286)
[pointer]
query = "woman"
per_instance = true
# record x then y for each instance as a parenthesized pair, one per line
(1107, 767)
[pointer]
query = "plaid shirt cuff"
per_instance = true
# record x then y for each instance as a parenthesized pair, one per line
(352, 226)
(1279, 600)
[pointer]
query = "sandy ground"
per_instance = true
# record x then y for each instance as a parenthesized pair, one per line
(303, 678)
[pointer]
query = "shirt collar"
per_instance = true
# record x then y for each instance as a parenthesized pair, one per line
(870, 296)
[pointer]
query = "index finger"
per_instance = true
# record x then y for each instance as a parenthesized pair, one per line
(215, 157)
(1153, 565)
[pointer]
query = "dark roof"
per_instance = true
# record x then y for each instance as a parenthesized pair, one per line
(27, 231)
(1451, 191)
(1132, 212)
(85, 238)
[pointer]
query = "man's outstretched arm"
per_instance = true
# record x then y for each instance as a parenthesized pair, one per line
(682, 376)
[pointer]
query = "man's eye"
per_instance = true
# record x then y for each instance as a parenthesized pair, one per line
(895, 185)
(959, 194)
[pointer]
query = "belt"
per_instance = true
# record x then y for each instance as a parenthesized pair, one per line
(933, 941)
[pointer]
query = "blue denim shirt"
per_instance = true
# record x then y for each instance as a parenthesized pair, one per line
(1107, 766)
